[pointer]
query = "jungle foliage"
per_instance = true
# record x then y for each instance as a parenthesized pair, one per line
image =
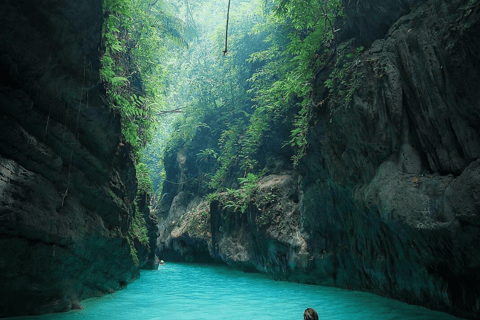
(276, 48)
(302, 41)
(137, 35)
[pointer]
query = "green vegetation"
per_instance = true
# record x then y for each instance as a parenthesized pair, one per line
(136, 36)
(344, 79)
(249, 185)
(234, 99)
(133, 251)
(296, 54)
(137, 231)
(237, 200)
(143, 178)
(276, 48)
(138, 228)
(221, 106)
(115, 198)
(199, 225)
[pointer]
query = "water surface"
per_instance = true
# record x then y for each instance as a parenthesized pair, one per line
(189, 291)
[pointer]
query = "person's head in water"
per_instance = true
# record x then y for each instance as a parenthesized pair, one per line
(310, 314)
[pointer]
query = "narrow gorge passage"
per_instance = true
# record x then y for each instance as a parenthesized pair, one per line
(331, 146)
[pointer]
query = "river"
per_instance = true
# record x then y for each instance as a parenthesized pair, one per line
(190, 291)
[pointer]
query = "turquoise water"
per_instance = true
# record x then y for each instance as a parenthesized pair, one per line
(189, 291)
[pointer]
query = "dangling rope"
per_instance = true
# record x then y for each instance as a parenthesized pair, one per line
(226, 31)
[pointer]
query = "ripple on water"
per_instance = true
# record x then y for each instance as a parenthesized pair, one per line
(190, 291)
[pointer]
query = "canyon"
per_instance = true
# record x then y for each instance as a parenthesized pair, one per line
(386, 199)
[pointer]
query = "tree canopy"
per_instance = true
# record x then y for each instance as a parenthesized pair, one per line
(275, 50)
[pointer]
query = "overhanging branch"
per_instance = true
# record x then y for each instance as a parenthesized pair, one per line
(164, 112)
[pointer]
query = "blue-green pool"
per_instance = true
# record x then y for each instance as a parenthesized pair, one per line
(189, 291)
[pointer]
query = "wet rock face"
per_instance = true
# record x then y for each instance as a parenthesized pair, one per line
(67, 182)
(387, 199)
(391, 206)
(262, 236)
(369, 20)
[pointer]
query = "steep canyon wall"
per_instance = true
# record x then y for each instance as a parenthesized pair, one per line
(387, 199)
(67, 179)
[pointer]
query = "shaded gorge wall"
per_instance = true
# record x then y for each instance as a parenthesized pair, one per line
(67, 179)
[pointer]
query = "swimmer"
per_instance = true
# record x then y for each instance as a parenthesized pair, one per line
(310, 314)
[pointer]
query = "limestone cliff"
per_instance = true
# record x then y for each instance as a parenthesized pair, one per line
(67, 180)
(387, 198)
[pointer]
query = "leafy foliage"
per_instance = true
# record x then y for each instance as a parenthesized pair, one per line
(199, 224)
(302, 40)
(143, 178)
(238, 200)
(231, 102)
(345, 68)
(134, 36)
(211, 88)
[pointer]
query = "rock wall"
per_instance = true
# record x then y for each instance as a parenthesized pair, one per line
(67, 180)
(387, 198)
(391, 180)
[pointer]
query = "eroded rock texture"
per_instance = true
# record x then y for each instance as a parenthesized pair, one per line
(388, 197)
(67, 182)
(389, 200)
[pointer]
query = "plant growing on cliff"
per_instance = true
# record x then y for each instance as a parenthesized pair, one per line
(207, 154)
(137, 232)
(249, 184)
(237, 199)
(134, 34)
(116, 66)
(143, 178)
(134, 39)
(138, 228)
(292, 61)
(344, 78)
(276, 50)
(199, 224)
